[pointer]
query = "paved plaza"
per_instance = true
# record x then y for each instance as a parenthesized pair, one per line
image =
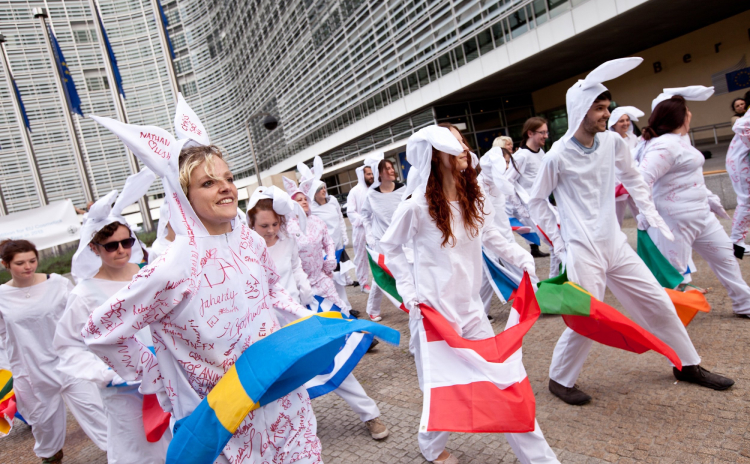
(639, 412)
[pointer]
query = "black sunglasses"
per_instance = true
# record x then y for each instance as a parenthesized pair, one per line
(113, 246)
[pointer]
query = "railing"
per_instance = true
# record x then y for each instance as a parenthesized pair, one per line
(713, 128)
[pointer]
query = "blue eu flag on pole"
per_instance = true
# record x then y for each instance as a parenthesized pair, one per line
(23, 108)
(166, 32)
(70, 87)
(112, 58)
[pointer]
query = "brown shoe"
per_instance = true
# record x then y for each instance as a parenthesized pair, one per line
(56, 459)
(451, 459)
(377, 429)
(570, 395)
(702, 377)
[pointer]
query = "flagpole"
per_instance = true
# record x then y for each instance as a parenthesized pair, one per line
(148, 223)
(155, 5)
(41, 13)
(34, 167)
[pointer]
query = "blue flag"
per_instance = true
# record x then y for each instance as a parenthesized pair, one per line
(71, 94)
(166, 32)
(23, 108)
(111, 56)
(738, 80)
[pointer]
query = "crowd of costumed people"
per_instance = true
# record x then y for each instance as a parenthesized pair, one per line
(140, 339)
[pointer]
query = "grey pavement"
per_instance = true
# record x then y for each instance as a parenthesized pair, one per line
(639, 413)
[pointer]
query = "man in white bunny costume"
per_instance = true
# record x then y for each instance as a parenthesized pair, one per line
(354, 202)
(579, 168)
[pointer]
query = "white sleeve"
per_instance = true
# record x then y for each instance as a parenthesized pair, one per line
(513, 174)
(366, 215)
(403, 228)
(494, 239)
(76, 360)
(352, 209)
(541, 213)
(656, 162)
(303, 284)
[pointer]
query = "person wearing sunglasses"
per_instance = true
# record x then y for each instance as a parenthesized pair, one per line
(103, 266)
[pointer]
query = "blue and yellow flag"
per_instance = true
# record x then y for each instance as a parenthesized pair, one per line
(71, 93)
(111, 57)
(301, 351)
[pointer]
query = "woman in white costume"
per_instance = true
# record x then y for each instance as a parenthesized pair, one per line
(211, 295)
(316, 249)
(621, 121)
(268, 211)
(103, 266)
(327, 208)
(383, 198)
(522, 172)
(738, 167)
(447, 220)
(31, 304)
(673, 169)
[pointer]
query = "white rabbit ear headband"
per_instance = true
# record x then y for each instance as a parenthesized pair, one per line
(493, 167)
(690, 93)
(372, 162)
(419, 154)
(187, 125)
(632, 112)
(309, 181)
(282, 204)
(583, 93)
(86, 263)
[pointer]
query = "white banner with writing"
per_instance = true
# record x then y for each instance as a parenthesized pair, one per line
(45, 227)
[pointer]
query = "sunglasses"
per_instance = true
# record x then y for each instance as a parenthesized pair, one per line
(113, 246)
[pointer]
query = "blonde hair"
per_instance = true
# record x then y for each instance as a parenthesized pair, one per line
(192, 157)
(500, 142)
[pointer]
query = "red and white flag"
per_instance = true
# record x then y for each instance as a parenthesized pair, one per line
(478, 386)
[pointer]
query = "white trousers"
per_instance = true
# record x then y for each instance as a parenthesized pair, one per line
(361, 264)
(529, 447)
(45, 413)
(640, 294)
(621, 206)
(355, 396)
(374, 299)
(710, 240)
(739, 174)
(128, 445)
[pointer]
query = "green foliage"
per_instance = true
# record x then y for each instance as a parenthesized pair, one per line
(147, 237)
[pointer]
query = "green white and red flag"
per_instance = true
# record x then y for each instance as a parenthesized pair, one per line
(384, 278)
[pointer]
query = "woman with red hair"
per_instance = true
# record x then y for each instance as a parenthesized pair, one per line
(447, 220)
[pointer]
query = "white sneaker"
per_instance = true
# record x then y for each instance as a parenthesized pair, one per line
(365, 288)
(375, 318)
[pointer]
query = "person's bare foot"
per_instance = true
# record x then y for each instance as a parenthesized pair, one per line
(445, 458)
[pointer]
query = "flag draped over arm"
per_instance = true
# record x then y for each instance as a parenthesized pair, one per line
(478, 386)
(301, 350)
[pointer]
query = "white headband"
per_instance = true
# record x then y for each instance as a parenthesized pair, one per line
(583, 93)
(282, 204)
(372, 162)
(86, 263)
(690, 93)
(632, 112)
(309, 181)
(419, 154)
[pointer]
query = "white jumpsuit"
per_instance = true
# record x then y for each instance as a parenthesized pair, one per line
(123, 405)
(621, 205)
(354, 203)
(331, 214)
(448, 279)
(528, 163)
(377, 212)
(674, 170)
(598, 254)
(738, 167)
(208, 298)
(292, 278)
(27, 327)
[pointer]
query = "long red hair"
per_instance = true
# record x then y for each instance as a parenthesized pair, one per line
(470, 198)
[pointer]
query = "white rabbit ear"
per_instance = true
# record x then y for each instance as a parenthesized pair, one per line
(101, 208)
(187, 125)
(135, 187)
(304, 171)
(289, 185)
(610, 70)
(318, 167)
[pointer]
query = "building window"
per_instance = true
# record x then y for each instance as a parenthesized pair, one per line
(189, 88)
(97, 83)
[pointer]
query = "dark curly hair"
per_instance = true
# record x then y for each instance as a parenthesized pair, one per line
(470, 198)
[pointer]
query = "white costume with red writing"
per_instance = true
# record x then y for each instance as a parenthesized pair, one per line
(28, 320)
(738, 167)
(207, 299)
